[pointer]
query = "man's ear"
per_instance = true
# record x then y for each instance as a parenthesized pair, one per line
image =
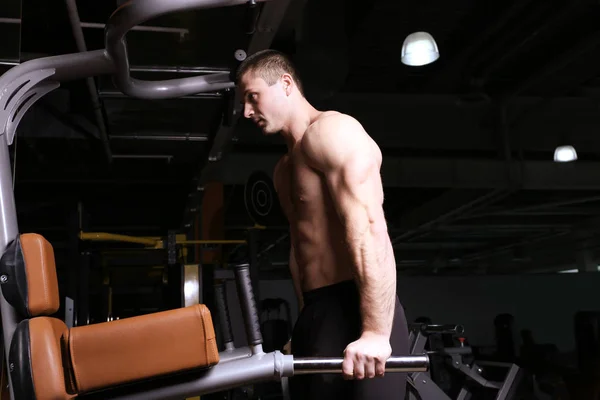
(288, 82)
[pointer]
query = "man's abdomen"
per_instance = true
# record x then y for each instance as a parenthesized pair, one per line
(321, 252)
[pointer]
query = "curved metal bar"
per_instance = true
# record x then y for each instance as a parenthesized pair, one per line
(29, 99)
(134, 13)
(12, 94)
(68, 67)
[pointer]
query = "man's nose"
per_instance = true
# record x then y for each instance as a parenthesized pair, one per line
(248, 110)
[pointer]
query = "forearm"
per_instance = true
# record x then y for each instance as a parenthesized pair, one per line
(375, 274)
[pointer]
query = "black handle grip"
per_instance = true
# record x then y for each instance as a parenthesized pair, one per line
(251, 17)
(247, 303)
(447, 328)
(223, 309)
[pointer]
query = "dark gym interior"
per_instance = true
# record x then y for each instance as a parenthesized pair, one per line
(489, 231)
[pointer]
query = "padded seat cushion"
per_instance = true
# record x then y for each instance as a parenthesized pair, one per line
(131, 349)
(30, 284)
(36, 354)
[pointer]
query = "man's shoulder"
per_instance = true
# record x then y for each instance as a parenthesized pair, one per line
(331, 122)
(330, 138)
(332, 128)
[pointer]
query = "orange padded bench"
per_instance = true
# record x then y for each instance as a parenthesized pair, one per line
(50, 361)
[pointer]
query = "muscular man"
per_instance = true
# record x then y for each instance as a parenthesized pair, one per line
(341, 258)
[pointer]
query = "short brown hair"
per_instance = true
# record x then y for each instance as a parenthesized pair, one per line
(269, 65)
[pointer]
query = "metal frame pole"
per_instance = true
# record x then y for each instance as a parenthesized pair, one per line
(8, 232)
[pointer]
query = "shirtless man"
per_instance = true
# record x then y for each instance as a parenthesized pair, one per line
(341, 258)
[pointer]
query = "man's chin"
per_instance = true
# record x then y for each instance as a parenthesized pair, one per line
(267, 131)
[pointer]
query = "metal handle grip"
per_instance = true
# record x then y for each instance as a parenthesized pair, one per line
(223, 309)
(247, 303)
(135, 12)
(448, 328)
(324, 365)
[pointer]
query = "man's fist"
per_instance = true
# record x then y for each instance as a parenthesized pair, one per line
(366, 357)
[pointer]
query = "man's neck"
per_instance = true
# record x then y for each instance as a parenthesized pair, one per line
(304, 115)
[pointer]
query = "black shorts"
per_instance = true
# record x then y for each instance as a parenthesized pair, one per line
(329, 321)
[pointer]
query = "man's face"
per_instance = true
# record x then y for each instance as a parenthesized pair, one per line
(263, 104)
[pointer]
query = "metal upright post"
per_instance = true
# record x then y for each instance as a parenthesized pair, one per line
(8, 232)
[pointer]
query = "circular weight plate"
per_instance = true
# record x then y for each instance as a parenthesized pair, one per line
(260, 198)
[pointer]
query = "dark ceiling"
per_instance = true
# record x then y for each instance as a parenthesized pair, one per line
(468, 141)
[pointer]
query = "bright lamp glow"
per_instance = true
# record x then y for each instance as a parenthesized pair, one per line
(565, 154)
(419, 48)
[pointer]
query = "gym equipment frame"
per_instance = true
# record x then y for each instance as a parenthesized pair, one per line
(424, 386)
(24, 84)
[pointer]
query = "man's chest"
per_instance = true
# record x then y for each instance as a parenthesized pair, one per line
(305, 185)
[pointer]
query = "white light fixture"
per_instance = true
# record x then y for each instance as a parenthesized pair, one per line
(565, 154)
(419, 48)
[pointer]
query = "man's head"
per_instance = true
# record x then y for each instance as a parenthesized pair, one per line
(268, 83)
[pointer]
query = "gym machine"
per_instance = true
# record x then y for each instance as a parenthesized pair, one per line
(159, 375)
(458, 357)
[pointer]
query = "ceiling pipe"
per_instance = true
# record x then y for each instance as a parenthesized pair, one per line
(551, 25)
(573, 53)
(91, 84)
(178, 70)
(182, 138)
(182, 32)
(455, 65)
(120, 95)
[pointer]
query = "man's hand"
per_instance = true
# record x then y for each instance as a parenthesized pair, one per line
(366, 357)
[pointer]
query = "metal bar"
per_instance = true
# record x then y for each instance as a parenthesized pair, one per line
(221, 377)
(149, 241)
(185, 138)
(181, 31)
(178, 70)
(426, 387)
(153, 68)
(102, 236)
(10, 20)
(450, 329)
(91, 84)
(135, 13)
(255, 369)
(121, 95)
(8, 232)
(320, 365)
(144, 157)
(67, 66)
(231, 354)
(232, 241)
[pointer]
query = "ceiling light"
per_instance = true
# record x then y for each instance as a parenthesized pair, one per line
(419, 48)
(565, 154)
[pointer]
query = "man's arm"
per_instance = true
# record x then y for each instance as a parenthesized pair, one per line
(340, 148)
